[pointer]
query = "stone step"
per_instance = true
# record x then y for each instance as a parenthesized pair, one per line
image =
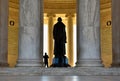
(76, 71)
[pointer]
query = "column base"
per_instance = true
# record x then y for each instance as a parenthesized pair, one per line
(89, 63)
(29, 63)
(4, 65)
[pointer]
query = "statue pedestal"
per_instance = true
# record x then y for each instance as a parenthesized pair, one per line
(60, 62)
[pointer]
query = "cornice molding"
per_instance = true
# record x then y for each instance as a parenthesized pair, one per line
(13, 5)
(59, 11)
(69, 6)
(105, 6)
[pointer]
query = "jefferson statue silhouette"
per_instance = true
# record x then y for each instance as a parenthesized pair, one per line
(59, 36)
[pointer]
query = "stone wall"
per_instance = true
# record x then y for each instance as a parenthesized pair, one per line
(12, 34)
(106, 34)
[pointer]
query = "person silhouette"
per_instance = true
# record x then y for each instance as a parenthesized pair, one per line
(46, 59)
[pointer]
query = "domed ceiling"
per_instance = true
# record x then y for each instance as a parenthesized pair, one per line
(61, 1)
(61, 4)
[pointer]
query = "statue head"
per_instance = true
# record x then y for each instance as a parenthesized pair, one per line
(59, 19)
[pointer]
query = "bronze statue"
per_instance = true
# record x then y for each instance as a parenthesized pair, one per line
(59, 36)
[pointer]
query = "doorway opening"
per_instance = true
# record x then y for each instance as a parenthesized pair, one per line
(49, 22)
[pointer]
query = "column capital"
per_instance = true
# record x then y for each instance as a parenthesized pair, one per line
(70, 14)
(51, 15)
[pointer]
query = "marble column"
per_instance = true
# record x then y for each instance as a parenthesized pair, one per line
(4, 32)
(70, 38)
(30, 36)
(88, 33)
(50, 36)
(116, 33)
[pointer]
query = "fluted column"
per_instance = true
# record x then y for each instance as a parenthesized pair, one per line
(116, 33)
(4, 32)
(88, 33)
(70, 38)
(30, 36)
(50, 36)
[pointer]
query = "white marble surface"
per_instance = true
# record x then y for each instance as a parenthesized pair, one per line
(3, 32)
(59, 78)
(29, 33)
(115, 33)
(88, 31)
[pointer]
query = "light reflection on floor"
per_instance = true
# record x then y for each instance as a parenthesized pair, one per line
(59, 78)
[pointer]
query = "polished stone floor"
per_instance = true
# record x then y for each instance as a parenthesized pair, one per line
(58, 78)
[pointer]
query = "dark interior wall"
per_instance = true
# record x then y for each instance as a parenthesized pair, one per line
(116, 32)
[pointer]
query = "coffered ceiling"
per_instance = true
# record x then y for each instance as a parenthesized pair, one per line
(105, 1)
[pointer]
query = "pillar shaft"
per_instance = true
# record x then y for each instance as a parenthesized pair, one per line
(4, 32)
(30, 40)
(50, 36)
(88, 33)
(116, 32)
(70, 38)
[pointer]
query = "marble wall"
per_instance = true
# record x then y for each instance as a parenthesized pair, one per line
(106, 34)
(13, 34)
